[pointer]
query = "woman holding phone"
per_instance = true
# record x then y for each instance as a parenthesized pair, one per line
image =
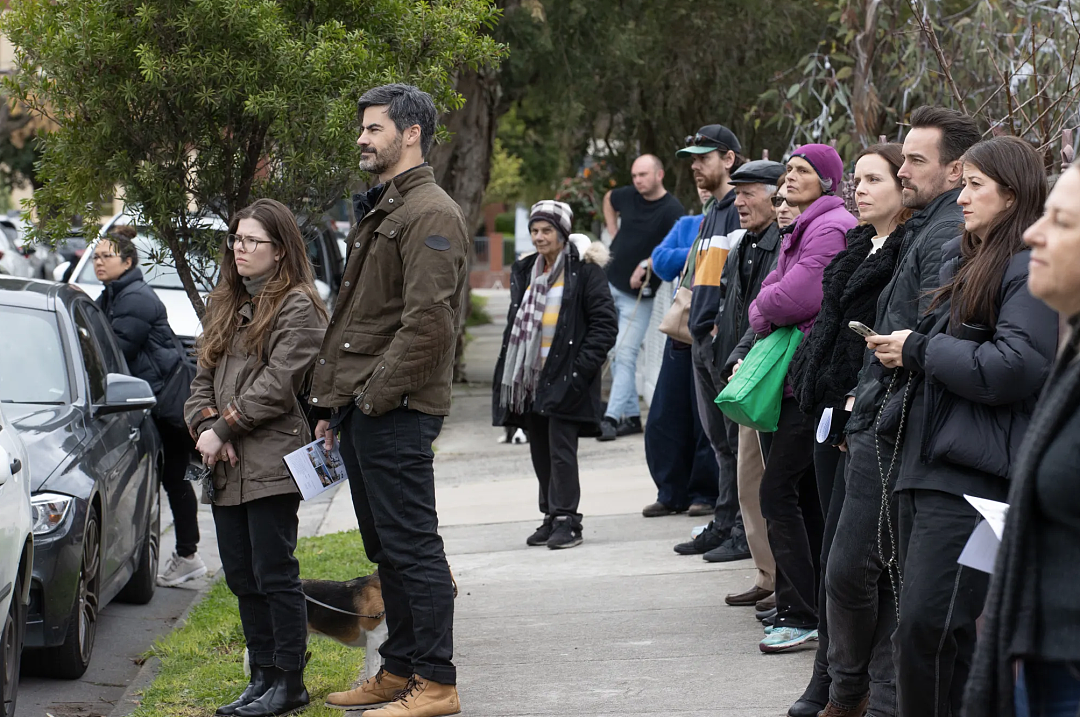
(976, 364)
(264, 326)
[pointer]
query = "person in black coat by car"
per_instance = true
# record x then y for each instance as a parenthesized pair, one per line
(141, 326)
(975, 366)
(559, 329)
(1028, 658)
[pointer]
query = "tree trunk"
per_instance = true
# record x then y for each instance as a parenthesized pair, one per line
(463, 165)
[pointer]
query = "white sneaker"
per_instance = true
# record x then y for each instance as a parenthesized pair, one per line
(179, 570)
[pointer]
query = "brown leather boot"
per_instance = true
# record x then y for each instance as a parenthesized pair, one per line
(834, 710)
(377, 690)
(422, 698)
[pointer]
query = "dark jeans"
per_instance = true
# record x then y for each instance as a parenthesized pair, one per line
(681, 460)
(553, 444)
(861, 604)
(1048, 689)
(256, 541)
(389, 461)
(792, 510)
(829, 464)
(940, 600)
(178, 448)
(723, 436)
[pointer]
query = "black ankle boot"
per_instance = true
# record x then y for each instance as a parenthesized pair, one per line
(285, 697)
(261, 680)
(816, 696)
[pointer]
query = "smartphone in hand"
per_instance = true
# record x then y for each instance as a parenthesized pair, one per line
(861, 329)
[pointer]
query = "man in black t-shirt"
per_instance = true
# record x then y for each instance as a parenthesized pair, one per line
(638, 217)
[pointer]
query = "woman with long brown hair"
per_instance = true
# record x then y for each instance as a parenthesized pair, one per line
(263, 329)
(825, 371)
(975, 366)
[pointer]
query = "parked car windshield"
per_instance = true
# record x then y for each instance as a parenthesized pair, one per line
(156, 274)
(32, 365)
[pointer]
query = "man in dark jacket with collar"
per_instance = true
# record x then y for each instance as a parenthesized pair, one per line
(861, 607)
(715, 151)
(748, 263)
(385, 369)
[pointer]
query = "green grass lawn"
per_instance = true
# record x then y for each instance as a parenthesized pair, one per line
(201, 662)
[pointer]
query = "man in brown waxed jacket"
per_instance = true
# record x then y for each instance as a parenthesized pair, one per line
(384, 372)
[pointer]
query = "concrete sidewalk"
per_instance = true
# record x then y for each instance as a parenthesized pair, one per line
(619, 626)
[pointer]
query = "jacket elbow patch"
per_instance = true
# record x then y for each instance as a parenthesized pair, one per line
(438, 243)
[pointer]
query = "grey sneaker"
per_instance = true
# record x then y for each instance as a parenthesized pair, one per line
(180, 570)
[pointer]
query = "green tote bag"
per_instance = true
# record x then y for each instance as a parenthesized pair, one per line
(752, 398)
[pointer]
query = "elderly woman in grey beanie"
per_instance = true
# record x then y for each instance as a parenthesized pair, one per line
(559, 330)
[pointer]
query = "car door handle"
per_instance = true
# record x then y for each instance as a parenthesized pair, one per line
(134, 435)
(16, 466)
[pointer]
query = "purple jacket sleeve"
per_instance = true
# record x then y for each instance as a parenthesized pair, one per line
(795, 297)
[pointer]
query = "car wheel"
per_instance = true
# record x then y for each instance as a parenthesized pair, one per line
(11, 645)
(70, 660)
(140, 588)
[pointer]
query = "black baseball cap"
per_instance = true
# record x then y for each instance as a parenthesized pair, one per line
(709, 138)
(760, 171)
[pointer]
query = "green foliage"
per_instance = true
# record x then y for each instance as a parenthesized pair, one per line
(200, 106)
(478, 313)
(506, 183)
(202, 662)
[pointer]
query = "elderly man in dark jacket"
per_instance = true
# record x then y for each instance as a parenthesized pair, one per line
(861, 605)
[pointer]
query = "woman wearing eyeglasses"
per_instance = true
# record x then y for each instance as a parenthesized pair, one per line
(141, 325)
(263, 329)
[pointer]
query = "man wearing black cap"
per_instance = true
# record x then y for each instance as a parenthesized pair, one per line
(750, 261)
(715, 152)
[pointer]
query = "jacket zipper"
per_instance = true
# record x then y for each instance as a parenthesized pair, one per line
(360, 396)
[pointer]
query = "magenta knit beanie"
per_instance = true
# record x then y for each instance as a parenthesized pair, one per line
(825, 161)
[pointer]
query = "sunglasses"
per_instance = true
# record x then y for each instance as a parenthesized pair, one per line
(700, 140)
(778, 200)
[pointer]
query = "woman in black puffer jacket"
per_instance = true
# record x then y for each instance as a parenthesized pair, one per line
(141, 326)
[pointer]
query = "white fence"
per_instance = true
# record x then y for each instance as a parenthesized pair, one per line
(652, 351)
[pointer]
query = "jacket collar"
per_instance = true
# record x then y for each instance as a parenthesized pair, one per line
(389, 195)
(822, 205)
(126, 279)
(768, 239)
(719, 205)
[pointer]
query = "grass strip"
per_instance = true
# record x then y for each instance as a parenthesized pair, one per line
(201, 662)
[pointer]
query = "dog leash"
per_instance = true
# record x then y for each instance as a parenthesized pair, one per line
(344, 612)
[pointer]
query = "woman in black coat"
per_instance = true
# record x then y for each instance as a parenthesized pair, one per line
(141, 326)
(1028, 657)
(824, 372)
(976, 366)
(559, 329)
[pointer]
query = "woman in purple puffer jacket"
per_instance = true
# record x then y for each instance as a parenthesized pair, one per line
(791, 296)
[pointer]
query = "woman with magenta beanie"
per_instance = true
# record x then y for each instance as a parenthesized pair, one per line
(791, 296)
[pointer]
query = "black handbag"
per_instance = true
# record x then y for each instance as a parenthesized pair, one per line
(176, 390)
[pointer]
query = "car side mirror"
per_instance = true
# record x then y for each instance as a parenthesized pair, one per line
(60, 270)
(125, 393)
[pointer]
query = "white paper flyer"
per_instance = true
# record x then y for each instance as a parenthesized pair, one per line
(315, 469)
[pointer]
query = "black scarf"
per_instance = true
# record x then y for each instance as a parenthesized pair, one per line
(826, 366)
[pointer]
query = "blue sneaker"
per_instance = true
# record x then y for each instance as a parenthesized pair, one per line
(785, 638)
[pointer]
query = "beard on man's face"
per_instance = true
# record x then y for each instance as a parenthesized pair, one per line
(378, 161)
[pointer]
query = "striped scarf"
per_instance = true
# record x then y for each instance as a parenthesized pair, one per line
(521, 371)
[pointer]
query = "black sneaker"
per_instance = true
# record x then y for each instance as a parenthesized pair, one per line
(564, 534)
(629, 426)
(540, 537)
(706, 540)
(609, 429)
(734, 548)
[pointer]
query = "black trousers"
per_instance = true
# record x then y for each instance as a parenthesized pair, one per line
(723, 437)
(178, 449)
(553, 445)
(681, 459)
(829, 464)
(256, 542)
(939, 603)
(792, 511)
(389, 461)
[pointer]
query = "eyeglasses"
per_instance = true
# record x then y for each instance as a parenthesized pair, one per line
(249, 244)
(103, 257)
(700, 140)
(778, 200)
